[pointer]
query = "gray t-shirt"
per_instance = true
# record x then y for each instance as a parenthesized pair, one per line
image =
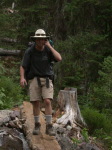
(38, 63)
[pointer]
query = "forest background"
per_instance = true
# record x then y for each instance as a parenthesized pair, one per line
(82, 32)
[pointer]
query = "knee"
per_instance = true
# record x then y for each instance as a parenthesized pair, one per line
(47, 102)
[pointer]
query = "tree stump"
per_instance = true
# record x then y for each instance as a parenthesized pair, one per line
(67, 100)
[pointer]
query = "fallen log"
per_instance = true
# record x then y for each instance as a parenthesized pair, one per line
(41, 141)
(67, 100)
(9, 52)
(8, 40)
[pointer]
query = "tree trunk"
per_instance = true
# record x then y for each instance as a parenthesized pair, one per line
(67, 100)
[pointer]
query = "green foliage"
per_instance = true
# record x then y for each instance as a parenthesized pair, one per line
(7, 3)
(2, 69)
(10, 93)
(7, 24)
(82, 55)
(87, 15)
(106, 138)
(75, 142)
(85, 135)
(99, 125)
(96, 120)
(101, 92)
(106, 72)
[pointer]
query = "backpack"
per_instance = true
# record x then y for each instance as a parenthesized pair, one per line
(31, 48)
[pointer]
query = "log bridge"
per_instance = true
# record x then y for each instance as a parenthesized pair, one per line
(37, 142)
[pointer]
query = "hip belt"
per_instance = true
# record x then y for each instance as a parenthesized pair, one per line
(47, 80)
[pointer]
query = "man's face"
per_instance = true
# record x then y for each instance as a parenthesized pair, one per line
(40, 41)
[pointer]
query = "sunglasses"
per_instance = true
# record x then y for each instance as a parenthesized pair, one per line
(40, 35)
(41, 39)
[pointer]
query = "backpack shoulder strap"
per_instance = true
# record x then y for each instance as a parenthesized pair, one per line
(31, 48)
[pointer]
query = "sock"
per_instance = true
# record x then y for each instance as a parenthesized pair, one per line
(48, 119)
(37, 119)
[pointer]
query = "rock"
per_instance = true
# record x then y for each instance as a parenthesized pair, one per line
(87, 146)
(11, 124)
(66, 144)
(4, 116)
(64, 136)
(68, 127)
(60, 130)
(15, 114)
(11, 139)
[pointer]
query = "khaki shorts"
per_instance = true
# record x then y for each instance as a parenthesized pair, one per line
(38, 93)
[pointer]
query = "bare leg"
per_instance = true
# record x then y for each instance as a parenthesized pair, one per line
(48, 107)
(36, 108)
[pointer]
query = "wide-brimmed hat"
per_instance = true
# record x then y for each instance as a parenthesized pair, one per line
(40, 33)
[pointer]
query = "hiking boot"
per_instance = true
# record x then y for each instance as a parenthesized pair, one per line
(49, 130)
(36, 130)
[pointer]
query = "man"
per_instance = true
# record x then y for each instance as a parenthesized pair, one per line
(37, 69)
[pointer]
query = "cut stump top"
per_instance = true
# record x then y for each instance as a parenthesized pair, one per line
(41, 141)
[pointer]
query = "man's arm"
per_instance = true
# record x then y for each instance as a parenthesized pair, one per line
(54, 52)
(23, 81)
(24, 66)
